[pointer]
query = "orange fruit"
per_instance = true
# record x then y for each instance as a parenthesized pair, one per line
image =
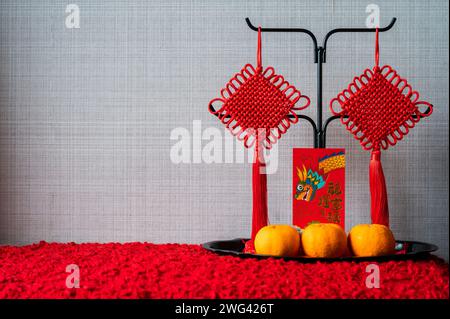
(324, 240)
(371, 240)
(278, 240)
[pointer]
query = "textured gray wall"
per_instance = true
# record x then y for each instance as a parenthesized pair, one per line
(86, 116)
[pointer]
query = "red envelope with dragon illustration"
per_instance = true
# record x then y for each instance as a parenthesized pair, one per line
(318, 186)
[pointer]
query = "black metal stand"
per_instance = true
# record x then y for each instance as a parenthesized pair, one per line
(320, 128)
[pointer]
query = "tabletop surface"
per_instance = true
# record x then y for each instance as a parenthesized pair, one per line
(145, 270)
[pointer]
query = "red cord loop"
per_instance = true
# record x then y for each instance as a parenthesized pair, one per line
(377, 49)
(258, 53)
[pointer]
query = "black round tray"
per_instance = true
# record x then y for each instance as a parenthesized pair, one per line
(404, 250)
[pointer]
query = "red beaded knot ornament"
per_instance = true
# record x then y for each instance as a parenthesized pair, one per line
(258, 106)
(379, 108)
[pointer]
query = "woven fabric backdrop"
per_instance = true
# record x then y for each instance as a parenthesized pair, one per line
(86, 116)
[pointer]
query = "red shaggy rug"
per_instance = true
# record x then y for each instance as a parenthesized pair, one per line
(141, 270)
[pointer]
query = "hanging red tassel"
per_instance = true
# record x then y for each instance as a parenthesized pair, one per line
(378, 194)
(259, 186)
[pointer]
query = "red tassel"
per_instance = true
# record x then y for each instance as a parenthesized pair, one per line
(259, 185)
(378, 194)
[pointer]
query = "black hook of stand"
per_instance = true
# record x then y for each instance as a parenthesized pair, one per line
(299, 30)
(339, 30)
(320, 58)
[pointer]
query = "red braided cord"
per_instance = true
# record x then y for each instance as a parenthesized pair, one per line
(381, 108)
(258, 99)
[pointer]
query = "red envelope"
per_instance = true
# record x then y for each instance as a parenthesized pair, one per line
(318, 186)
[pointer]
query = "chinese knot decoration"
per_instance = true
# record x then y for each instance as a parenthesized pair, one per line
(379, 108)
(258, 106)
